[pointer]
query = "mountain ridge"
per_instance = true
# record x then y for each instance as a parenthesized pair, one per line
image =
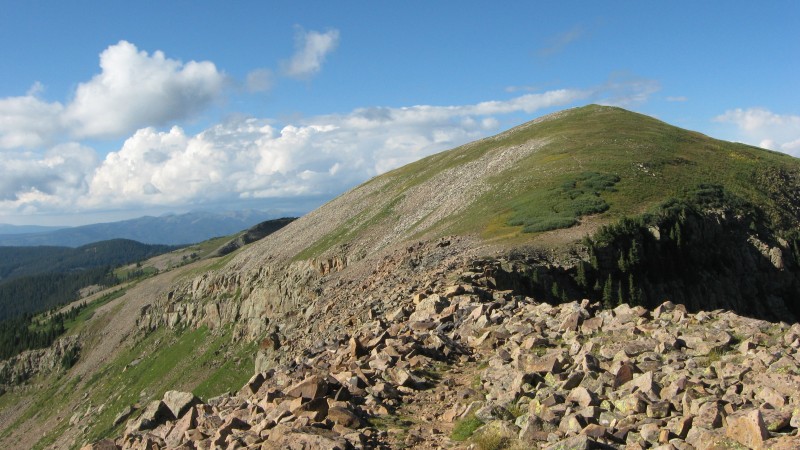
(170, 229)
(652, 167)
(6, 229)
(422, 287)
(491, 190)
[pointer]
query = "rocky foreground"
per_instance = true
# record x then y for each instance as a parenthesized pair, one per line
(466, 365)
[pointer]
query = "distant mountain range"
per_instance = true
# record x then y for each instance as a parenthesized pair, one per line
(23, 229)
(173, 229)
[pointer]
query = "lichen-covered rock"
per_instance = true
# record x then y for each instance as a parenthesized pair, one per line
(179, 402)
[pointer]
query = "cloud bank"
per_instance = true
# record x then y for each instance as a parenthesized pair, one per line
(764, 128)
(28, 122)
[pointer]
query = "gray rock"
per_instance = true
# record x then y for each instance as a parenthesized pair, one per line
(179, 402)
(580, 442)
(155, 414)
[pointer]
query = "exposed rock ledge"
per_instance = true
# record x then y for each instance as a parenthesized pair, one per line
(30, 363)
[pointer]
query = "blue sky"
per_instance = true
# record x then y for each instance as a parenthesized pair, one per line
(111, 111)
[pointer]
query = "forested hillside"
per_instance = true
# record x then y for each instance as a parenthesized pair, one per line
(25, 261)
(34, 279)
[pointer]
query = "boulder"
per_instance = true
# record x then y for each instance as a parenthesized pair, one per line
(570, 322)
(177, 435)
(579, 442)
(306, 438)
(179, 402)
(344, 417)
(123, 415)
(709, 415)
(583, 397)
(253, 384)
(748, 429)
(154, 415)
(105, 444)
(310, 388)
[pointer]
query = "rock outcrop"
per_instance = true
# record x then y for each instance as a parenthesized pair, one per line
(43, 361)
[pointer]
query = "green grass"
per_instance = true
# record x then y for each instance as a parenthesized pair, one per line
(398, 423)
(352, 228)
(50, 438)
(465, 428)
(86, 313)
(220, 262)
(56, 390)
(388, 422)
(205, 248)
(213, 264)
(517, 410)
(125, 272)
(491, 440)
(561, 207)
(231, 375)
(121, 384)
(155, 364)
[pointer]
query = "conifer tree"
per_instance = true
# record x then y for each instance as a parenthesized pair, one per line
(634, 293)
(554, 291)
(580, 277)
(634, 254)
(622, 264)
(608, 293)
(593, 259)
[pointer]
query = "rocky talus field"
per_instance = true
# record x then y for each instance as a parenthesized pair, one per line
(465, 365)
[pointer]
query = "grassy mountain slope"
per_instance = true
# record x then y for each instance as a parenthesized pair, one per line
(33, 279)
(252, 234)
(645, 161)
(560, 185)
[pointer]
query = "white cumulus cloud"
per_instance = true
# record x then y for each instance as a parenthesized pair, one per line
(311, 49)
(764, 128)
(135, 89)
(27, 121)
